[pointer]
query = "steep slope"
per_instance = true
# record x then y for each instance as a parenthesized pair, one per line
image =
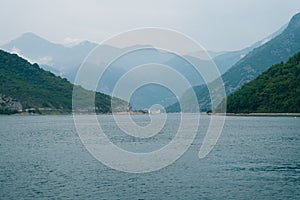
(226, 60)
(33, 87)
(280, 49)
(277, 50)
(275, 90)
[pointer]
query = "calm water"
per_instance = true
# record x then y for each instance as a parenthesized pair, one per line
(41, 157)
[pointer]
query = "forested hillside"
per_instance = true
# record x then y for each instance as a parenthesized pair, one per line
(277, 90)
(35, 88)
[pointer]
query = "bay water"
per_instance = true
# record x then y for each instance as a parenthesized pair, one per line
(42, 157)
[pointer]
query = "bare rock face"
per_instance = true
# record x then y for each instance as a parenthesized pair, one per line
(9, 104)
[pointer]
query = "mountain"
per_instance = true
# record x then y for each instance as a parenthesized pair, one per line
(152, 93)
(278, 49)
(27, 86)
(226, 60)
(276, 90)
(61, 60)
(65, 62)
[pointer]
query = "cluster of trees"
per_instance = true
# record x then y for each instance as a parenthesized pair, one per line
(276, 90)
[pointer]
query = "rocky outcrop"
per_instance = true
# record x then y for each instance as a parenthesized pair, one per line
(9, 105)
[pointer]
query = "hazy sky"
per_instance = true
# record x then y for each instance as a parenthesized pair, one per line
(216, 24)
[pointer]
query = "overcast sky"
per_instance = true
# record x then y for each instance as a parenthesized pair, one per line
(216, 24)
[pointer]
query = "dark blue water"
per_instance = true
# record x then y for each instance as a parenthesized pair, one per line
(42, 157)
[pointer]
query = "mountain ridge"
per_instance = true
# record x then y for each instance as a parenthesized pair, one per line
(227, 59)
(63, 64)
(51, 55)
(277, 50)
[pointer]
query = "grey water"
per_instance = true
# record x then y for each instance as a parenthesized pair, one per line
(42, 157)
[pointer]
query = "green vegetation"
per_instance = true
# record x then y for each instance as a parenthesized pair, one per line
(275, 91)
(6, 111)
(277, 50)
(36, 88)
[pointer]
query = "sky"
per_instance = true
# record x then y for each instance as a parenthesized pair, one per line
(218, 25)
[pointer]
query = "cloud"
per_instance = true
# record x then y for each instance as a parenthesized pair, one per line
(46, 60)
(70, 42)
(17, 51)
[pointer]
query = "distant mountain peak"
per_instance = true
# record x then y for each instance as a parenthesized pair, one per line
(27, 41)
(30, 36)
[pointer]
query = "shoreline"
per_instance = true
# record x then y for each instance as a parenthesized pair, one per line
(259, 114)
(143, 113)
(134, 112)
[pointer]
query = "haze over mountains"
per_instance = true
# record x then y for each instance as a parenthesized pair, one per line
(226, 60)
(277, 50)
(237, 67)
(65, 60)
(57, 58)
